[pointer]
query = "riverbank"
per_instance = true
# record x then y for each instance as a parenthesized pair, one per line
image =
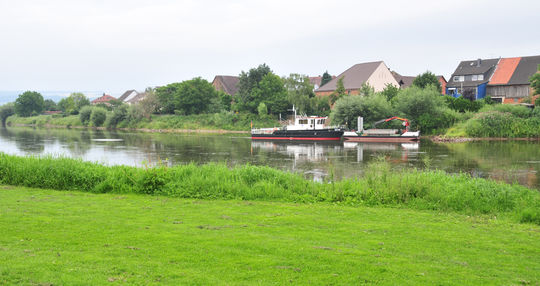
(70, 238)
(444, 139)
(380, 186)
(202, 123)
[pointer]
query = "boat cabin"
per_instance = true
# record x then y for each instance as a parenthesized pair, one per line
(308, 123)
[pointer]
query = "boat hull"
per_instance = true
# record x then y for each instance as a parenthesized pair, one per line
(397, 139)
(301, 135)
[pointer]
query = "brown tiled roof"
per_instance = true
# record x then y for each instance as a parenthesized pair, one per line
(403, 80)
(315, 80)
(353, 78)
(229, 83)
(103, 99)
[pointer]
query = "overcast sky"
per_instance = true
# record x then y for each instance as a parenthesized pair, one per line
(113, 46)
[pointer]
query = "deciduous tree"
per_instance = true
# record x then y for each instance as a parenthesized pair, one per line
(299, 92)
(29, 103)
(426, 79)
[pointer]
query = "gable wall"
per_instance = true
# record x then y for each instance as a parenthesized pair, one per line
(380, 77)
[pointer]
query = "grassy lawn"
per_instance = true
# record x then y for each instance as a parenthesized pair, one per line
(74, 238)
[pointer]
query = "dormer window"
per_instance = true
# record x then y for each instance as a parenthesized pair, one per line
(480, 77)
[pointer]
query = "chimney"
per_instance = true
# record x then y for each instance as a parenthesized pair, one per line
(479, 62)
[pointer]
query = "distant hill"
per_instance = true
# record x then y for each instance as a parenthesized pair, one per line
(11, 95)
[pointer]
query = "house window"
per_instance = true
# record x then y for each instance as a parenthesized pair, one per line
(459, 78)
(480, 77)
(474, 77)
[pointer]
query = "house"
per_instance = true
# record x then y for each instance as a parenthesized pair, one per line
(137, 98)
(128, 95)
(504, 79)
(510, 81)
(226, 83)
(315, 81)
(406, 81)
(471, 78)
(376, 74)
(403, 81)
(103, 99)
(443, 82)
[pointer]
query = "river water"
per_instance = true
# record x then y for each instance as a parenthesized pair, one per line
(510, 161)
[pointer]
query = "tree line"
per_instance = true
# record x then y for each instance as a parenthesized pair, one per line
(264, 94)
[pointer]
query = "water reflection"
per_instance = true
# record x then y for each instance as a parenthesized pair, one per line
(514, 161)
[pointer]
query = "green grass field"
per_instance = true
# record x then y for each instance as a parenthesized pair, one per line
(75, 238)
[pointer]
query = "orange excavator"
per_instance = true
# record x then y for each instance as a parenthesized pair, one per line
(405, 122)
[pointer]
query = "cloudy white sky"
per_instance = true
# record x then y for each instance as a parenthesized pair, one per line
(113, 46)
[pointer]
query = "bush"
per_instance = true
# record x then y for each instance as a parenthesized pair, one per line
(423, 107)
(516, 110)
(117, 115)
(502, 124)
(461, 104)
(372, 108)
(98, 116)
(84, 115)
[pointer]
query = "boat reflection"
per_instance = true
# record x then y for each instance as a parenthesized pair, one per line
(404, 148)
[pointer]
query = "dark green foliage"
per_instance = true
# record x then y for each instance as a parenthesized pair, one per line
(461, 104)
(261, 85)
(225, 99)
(339, 92)
(29, 103)
(194, 96)
(246, 84)
(272, 92)
(428, 190)
(73, 103)
(49, 105)
(6, 111)
(424, 107)
(118, 115)
(84, 114)
(426, 79)
(320, 106)
(98, 116)
(390, 91)
(326, 77)
(372, 108)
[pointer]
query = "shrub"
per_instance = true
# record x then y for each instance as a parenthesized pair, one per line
(84, 115)
(516, 110)
(98, 116)
(423, 107)
(117, 115)
(372, 108)
(502, 124)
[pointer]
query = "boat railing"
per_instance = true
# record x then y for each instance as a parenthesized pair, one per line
(264, 130)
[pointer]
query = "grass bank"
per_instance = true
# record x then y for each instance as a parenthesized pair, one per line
(424, 190)
(73, 238)
(226, 121)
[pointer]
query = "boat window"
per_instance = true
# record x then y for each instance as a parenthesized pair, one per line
(303, 121)
(312, 121)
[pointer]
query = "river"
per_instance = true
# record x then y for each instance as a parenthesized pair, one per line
(510, 161)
